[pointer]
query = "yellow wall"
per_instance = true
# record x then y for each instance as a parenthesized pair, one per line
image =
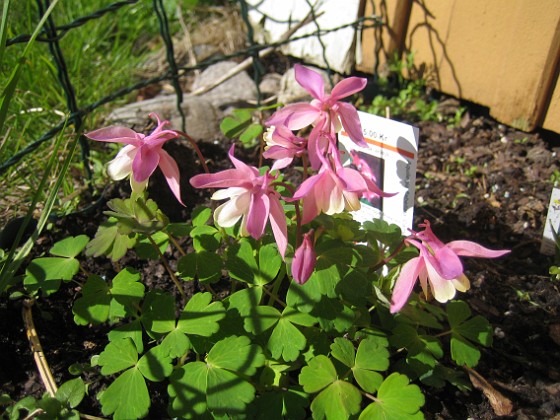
(499, 53)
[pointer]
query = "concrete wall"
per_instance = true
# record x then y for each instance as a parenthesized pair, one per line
(503, 54)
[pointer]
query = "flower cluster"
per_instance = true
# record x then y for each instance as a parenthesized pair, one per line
(306, 131)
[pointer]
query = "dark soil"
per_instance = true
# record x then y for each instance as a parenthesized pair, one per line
(480, 181)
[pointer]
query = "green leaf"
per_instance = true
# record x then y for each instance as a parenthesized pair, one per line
(464, 352)
(93, 306)
(250, 133)
(286, 341)
(201, 215)
(118, 355)
(70, 247)
(200, 317)
(269, 264)
(132, 330)
(260, 319)
(465, 331)
(236, 354)
(244, 300)
(127, 291)
(187, 391)
(227, 392)
(241, 262)
(204, 265)
(343, 351)
(235, 124)
(176, 343)
(397, 399)
(127, 397)
(217, 385)
(318, 374)
(205, 238)
(340, 400)
(71, 392)
(145, 249)
(370, 358)
(156, 364)
(158, 312)
(279, 404)
(54, 268)
(108, 241)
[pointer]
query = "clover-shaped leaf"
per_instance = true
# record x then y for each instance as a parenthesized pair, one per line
(396, 399)
(465, 331)
(205, 266)
(70, 246)
(71, 392)
(280, 404)
(217, 385)
(145, 248)
(243, 266)
(372, 357)
(117, 356)
(340, 400)
(318, 374)
(205, 238)
(127, 397)
(99, 301)
(155, 365)
(93, 306)
(200, 317)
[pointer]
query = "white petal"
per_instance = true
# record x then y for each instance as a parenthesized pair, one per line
(228, 193)
(121, 166)
(229, 213)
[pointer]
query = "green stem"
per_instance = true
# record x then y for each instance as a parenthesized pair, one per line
(176, 244)
(167, 267)
(276, 286)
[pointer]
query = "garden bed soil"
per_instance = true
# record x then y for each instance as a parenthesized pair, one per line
(478, 180)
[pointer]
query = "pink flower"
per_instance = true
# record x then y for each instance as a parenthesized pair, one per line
(251, 199)
(437, 265)
(326, 108)
(368, 175)
(282, 145)
(330, 192)
(141, 155)
(304, 260)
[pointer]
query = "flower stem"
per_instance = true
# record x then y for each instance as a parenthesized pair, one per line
(196, 149)
(389, 258)
(176, 244)
(167, 267)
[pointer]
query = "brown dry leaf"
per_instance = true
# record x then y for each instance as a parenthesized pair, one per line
(501, 405)
(554, 333)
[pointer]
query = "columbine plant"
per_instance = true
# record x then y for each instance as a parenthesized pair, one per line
(290, 314)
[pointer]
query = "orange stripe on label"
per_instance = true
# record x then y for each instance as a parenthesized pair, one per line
(386, 146)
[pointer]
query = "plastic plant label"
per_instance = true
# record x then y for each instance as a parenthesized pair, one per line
(552, 225)
(392, 154)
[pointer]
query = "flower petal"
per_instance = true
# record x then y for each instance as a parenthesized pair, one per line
(223, 179)
(278, 223)
(170, 171)
(121, 166)
(405, 283)
(472, 249)
(351, 123)
(145, 163)
(310, 80)
(229, 213)
(116, 134)
(258, 215)
(347, 87)
(295, 116)
(442, 288)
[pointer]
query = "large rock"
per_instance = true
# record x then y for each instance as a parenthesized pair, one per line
(200, 115)
(240, 88)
